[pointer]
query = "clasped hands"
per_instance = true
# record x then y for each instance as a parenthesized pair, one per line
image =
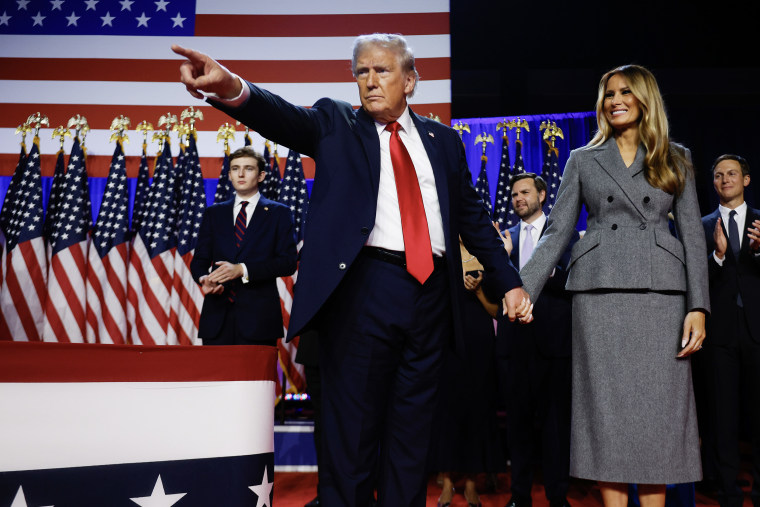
(517, 305)
(225, 272)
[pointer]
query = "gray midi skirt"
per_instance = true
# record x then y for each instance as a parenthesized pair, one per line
(633, 413)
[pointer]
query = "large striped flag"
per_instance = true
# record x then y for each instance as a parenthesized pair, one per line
(186, 295)
(66, 306)
(107, 263)
(24, 263)
(151, 259)
(298, 49)
(292, 193)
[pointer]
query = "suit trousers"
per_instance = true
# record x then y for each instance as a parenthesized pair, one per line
(734, 372)
(381, 342)
(228, 334)
(537, 394)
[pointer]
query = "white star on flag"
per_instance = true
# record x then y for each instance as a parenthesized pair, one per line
(263, 491)
(143, 20)
(20, 499)
(158, 498)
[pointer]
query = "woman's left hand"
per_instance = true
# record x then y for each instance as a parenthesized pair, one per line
(693, 333)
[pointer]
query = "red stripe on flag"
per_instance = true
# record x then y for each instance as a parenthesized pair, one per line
(17, 292)
(167, 71)
(320, 25)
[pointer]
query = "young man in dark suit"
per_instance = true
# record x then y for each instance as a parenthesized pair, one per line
(732, 351)
(244, 245)
(534, 360)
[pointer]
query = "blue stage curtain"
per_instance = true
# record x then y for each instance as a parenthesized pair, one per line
(577, 129)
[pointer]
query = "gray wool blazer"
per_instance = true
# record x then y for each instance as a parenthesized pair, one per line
(628, 243)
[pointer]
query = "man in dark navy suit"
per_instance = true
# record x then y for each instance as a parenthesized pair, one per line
(380, 266)
(731, 361)
(534, 360)
(244, 245)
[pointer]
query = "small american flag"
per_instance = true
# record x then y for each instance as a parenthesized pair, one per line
(481, 186)
(55, 196)
(271, 185)
(141, 191)
(24, 264)
(224, 190)
(151, 260)
(292, 193)
(65, 307)
(107, 265)
(551, 174)
(503, 192)
(186, 295)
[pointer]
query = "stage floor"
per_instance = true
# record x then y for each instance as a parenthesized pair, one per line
(294, 489)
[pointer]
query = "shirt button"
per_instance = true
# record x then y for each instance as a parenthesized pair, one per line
(614, 227)
(342, 266)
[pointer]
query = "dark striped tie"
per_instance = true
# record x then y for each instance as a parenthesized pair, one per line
(239, 233)
(240, 224)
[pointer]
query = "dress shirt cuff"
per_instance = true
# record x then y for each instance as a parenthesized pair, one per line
(717, 260)
(238, 101)
(244, 278)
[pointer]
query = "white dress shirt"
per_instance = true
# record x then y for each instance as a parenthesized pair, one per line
(252, 202)
(740, 218)
(538, 226)
(387, 232)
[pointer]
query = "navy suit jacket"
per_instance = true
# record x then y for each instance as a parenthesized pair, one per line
(268, 251)
(342, 207)
(551, 332)
(736, 276)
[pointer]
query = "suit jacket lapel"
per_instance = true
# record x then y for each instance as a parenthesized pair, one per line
(610, 160)
(367, 132)
(514, 233)
(259, 215)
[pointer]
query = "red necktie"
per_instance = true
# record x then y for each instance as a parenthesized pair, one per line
(419, 254)
(240, 226)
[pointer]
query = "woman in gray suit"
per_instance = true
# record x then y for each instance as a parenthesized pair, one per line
(639, 295)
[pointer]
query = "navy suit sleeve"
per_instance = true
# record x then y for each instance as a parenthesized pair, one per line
(283, 260)
(201, 261)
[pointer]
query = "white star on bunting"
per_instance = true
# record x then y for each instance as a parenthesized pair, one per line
(158, 498)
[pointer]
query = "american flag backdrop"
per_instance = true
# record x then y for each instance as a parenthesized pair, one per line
(105, 58)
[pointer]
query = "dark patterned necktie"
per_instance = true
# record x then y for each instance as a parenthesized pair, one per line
(414, 226)
(240, 224)
(240, 227)
(733, 241)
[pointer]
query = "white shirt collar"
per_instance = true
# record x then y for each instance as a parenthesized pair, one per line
(538, 223)
(741, 209)
(405, 120)
(252, 201)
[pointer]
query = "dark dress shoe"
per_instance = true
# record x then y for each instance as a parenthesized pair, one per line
(562, 503)
(519, 502)
(313, 503)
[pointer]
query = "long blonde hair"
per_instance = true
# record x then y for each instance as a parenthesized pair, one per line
(665, 162)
